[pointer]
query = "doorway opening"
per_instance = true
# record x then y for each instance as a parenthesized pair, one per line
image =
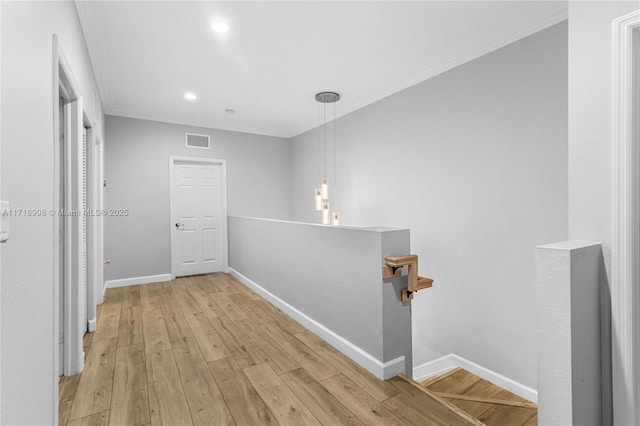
(70, 242)
(78, 234)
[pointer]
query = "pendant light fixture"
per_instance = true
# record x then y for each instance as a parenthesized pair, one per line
(335, 218)
(318, 199)
(325, 187)
(326, 213)
(322, 200)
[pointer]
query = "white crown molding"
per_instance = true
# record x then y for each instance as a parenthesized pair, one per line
(545, 17)
(262, 131)
(97, 54)
(625, 271)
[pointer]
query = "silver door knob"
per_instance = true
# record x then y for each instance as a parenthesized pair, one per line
(180, 226)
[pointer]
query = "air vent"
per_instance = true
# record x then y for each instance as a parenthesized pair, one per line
(194, 140)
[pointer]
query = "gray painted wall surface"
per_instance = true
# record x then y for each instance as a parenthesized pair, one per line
(331, 274)
(474, 162)
(28, 376)
(137, 173)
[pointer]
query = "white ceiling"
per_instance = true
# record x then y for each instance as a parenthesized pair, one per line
(277, 55)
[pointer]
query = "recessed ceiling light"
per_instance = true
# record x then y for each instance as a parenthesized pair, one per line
(190, 96)
(220, 27)
(230, 111)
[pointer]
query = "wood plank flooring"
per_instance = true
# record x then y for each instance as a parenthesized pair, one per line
(483, 400)
(206, 350)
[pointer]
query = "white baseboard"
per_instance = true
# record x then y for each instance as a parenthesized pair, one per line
(448, 362)
(381, 370)
(91, 326)
(100, 300)
(432, 368)
(138, 280)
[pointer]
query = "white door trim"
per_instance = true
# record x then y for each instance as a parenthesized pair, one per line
(56, 227)
(74, 326)
(625, 271)
(63, 85)
(94, 224)
(98, 234)
(199, 160)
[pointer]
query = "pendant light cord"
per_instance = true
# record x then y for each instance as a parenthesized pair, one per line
(318, 116)
(335, 149)
(324, 108)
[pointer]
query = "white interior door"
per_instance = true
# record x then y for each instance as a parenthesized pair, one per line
(198, 218)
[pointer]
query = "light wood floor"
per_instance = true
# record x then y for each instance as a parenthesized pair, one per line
(483, 400)
(206, 350)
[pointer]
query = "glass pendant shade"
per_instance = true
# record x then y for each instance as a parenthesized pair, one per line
(326, 213)
(335, 218)
(318, 199)
(325, 189)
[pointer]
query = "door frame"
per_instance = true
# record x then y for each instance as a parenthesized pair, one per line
(67, 320)
(66, 86)
(625, 271)
(199, 160)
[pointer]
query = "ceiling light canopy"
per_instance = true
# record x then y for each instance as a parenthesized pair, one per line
(190, 96)
(327, 97)
(220, 26)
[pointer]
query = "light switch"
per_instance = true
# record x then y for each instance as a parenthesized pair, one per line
(4, 221)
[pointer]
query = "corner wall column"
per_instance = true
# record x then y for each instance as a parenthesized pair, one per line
(568, 293)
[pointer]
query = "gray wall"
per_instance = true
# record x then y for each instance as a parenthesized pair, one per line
(474, 162)
(28, 376)
(137, 173)
(333, 276)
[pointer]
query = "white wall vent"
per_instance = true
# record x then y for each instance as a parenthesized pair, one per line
(193, 140)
